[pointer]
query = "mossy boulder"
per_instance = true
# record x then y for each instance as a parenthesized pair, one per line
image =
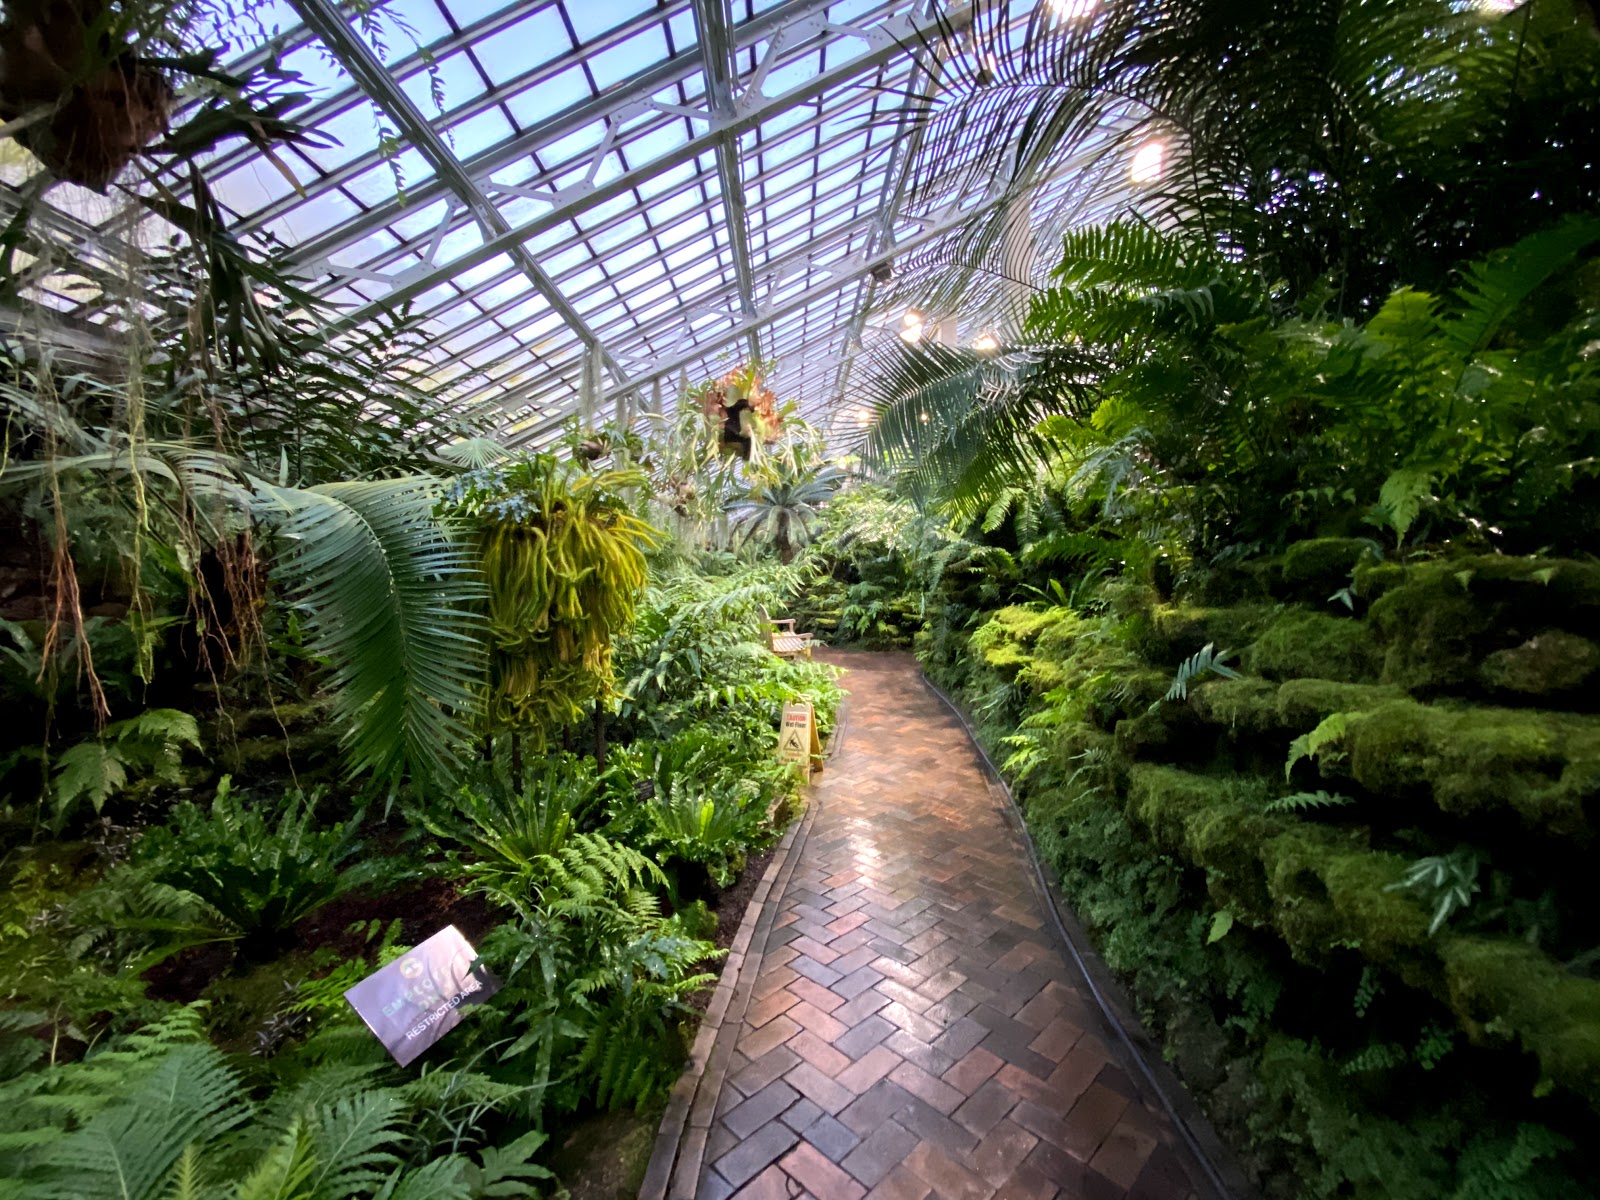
(1168, 732)
(1499, 988)
(1317, 568)
(1432, 629)
(1245, 705)
(1303, 704)
(1546, 665)
(1543, 767)
(1179, 630)
(1440, 620)
(1300, 644)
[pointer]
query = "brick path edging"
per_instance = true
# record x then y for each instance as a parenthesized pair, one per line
(679, 1152)
(1225, 1175)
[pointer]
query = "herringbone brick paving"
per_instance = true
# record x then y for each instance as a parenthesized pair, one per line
(914, 1030)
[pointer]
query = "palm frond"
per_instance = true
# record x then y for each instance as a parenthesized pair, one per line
(387, 590)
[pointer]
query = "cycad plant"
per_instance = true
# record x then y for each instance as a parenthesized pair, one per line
(788, 490)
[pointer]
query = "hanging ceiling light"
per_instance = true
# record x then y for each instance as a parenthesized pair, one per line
(912, 333)
(1149, 162)
(986, 343)
(912, 317)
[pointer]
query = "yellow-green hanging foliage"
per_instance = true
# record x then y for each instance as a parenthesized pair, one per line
(564, 562)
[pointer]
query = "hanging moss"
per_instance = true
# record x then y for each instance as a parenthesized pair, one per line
(1544, 767)
(1300, 644)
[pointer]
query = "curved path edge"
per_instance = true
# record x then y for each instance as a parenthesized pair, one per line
(1227, 1179)
(675, 1163)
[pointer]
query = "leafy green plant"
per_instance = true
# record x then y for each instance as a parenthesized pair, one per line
(1204, 661)
(1445, 882)
(1307, 802)
(161, 1114)
(151, 743)
(508, 832)
(262, 878)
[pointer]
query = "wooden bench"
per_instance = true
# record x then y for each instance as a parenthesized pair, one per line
(785, 642)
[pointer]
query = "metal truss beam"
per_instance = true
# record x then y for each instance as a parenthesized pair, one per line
(373, 78)
(719, 302)
(341, 101)
(713, 22)
(611, 107)
(934, 227)
(699, 208)
(884, 41)
(620, 335)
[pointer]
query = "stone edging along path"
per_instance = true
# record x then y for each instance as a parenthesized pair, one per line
(679, 1153)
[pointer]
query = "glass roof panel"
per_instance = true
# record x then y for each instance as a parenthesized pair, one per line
(574, 196)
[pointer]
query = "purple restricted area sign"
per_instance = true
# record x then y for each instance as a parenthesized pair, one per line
(415, 1000)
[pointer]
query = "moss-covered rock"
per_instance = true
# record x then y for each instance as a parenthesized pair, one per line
(1300, 644)
(1499, 987)
(1323, 889)
(1239, 705)
(1303, 704)
(1179, 630)
(1543, 767)
(1439, 620)
(1546, 665)
(1432, 629)
(1315, 569)
(1164, 733)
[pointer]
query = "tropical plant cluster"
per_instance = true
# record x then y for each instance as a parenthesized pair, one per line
(1261, 553)
(277, 718)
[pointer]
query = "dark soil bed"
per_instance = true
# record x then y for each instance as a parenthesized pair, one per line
(422, 908)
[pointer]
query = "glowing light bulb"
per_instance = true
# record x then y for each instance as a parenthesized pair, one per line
(1073, 10)
(924, 417)
(986, 343)
(1149, 162)
(912, 317)
(912, 333)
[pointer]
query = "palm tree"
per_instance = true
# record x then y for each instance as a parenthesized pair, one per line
(784, 505)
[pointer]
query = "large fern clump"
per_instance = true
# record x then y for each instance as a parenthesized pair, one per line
(163, 1115)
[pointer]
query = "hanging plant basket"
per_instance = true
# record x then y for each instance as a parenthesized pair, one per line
(90, 106)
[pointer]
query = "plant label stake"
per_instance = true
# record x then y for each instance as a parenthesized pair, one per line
(415, 1000)
(797, 737)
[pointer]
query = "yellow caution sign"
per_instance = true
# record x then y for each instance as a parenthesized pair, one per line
(798, 744)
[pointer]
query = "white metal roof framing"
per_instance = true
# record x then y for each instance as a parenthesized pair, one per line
(668, 184)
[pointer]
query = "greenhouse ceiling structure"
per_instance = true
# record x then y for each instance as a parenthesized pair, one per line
(588, 202)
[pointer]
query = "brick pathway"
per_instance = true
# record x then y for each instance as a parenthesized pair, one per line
(914, 1030)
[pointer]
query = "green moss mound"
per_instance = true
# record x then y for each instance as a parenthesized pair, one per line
(1300, 644)
(1543, 767)
(1316, 568)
